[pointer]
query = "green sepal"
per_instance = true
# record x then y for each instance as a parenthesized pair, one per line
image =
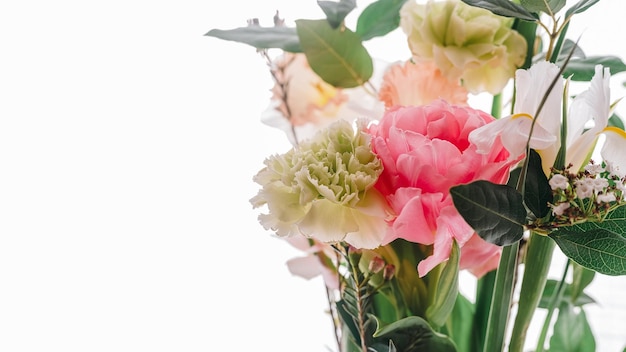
(335, 11)
(379, 18)
(284, 38)
(336, 55)
(504, 8)
(496, 212)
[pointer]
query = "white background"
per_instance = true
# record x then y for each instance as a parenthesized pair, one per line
(128, 141)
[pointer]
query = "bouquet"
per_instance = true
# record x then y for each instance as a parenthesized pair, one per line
(397, 182)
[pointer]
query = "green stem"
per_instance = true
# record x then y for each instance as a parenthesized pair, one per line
(496, 106)
(484, 288)
(501, 299)
(557, 296)
(536, 266)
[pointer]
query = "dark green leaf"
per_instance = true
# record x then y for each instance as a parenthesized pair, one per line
(335, 11)
(572, 332)
(583, 69)
(379, 18)
(443, 296)
(599, 246)
(484, 296)
(553, 6)
(616, 121)
(413, 334)
(551, 286)
(580, 6)
(504, 8)
(537, 191)
(261, 37)
(337, 56)
(494, 211)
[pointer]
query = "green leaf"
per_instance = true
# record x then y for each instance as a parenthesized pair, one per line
(551, 285)
(572, 332)
(261, 37)
(336, 12)
(337, 56)
(494, 211)
(459, 327)
(413, 334)
(504, 8)
(616, 121)
(379, 18)
(549, 6)
(443, 295)
(583, 69)
(599, 246)
(537, 191)
(581, 278)
(580, 6)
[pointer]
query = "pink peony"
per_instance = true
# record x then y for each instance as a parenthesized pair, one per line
(425, 151)
(419, 83)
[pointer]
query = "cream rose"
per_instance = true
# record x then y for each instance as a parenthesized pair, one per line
(467, 43)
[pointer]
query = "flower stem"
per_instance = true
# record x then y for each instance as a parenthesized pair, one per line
(556, 297)
(496, 106)
(536, 266)
(501, 299)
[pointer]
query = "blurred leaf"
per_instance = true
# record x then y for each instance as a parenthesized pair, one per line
(337, 56)
(379, 18)
(572, 332)
(568, 46)
(580, 6)
(335, 11)
(551, 285)
(413, 334)
(599, 246)
(616, 121)
(583, 69)
(443, 296)
(261, 37)
(458, 327)
(581, 278)
(549, 6)
(495, 212)
(504, 8)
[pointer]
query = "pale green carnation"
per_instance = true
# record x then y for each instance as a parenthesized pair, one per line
(324, 189)
(466, 43)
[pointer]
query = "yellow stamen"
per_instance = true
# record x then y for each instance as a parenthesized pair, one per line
(521, 114)
(617, 130)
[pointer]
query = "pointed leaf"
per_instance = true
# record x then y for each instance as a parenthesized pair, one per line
(261, 37)
(581, 278)
(504, 8)
(549, 6)
(413, 334)
(583, 69)
(599, 246)
(444, 294)
(580, 6)
(379, 18)
(572, 332)
(551, 285)
(335, 11)
(337, 56)
(537, 191)
(494, 211)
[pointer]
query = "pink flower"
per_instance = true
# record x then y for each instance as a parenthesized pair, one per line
(419, 83)
(425, 150)
(317, 261)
